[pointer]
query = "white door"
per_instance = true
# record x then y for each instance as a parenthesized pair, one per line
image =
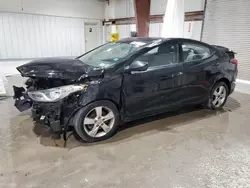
(91, 36)
(107, 33)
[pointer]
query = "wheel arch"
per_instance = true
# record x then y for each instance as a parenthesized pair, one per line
(219, 79)
(226, 81)
(105, 99)
(77, 114)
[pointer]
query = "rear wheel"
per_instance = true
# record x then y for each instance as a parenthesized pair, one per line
(218, 96)
(97, 121)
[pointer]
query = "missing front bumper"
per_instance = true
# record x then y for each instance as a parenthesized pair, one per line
(48, 114)
(56, 115)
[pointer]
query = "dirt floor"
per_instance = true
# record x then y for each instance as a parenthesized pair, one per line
(191, 148)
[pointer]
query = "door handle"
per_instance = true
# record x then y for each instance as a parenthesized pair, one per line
(177, 74)
(171, 76)
(166, 77)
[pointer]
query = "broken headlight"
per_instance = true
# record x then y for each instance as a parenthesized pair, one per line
(54, 94)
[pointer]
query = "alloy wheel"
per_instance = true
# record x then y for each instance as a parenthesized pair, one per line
(219, 96)
(99, 121)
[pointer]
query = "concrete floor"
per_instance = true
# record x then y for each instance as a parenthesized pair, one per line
(192, 148)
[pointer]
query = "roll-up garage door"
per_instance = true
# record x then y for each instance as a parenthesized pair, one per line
(227, 23)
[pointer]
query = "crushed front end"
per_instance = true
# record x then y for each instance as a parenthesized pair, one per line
(48, 114)
(54, 90)
(52, 101)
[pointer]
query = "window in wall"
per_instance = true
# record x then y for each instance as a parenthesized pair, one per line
(193, 52)
(161, 55)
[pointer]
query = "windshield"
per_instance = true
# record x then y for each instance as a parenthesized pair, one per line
(110, 54)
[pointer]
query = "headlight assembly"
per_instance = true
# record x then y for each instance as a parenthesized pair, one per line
(54, 94)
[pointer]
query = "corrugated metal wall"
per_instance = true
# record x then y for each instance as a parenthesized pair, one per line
(227, 23)
(33, 36)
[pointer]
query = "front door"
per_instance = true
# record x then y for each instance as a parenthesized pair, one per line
(155, 89)
(91, 36)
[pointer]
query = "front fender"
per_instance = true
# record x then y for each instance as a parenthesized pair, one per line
(104, 89)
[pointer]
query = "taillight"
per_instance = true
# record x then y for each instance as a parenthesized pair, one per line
(235, 61)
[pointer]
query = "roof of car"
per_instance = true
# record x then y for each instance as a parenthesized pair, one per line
(152, 39)
(149, 40)
(142, 39)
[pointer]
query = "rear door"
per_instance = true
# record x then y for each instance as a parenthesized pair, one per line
(199, 63)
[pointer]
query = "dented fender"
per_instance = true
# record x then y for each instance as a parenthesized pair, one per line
(108, 88)
(103, 89)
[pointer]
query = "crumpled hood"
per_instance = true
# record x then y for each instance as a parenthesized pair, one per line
(56, 68)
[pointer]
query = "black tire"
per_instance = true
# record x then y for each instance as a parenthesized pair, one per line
(78, 119)
(209, 103)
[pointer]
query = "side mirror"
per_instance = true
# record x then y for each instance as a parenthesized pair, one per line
(137, 66)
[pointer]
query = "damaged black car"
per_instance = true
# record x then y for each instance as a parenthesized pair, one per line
(123, 81)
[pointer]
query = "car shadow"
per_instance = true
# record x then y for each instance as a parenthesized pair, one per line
(4, 97)
(163, 122)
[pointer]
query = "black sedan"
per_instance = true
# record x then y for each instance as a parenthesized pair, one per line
(123, 81)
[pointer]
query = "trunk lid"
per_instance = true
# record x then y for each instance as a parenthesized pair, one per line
(229, 52)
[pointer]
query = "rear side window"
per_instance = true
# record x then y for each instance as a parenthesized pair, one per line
(194, 52)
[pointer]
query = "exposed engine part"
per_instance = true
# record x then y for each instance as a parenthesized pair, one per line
(55, 115)
(45, 83)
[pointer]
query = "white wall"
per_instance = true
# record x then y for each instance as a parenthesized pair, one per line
(91, 9)
(193, 30)
(34, 36)
(155, 29)
(119, 9)
(45, 28)
(159, 6)
(125, 8)
(110, 9)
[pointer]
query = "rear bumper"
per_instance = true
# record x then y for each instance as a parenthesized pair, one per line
(233, 85)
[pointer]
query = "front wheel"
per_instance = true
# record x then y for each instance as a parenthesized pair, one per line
(218, 96)
(97, 121)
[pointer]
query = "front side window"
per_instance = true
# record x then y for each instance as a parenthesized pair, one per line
(193, 52)
(110, 54)
(163, 54)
